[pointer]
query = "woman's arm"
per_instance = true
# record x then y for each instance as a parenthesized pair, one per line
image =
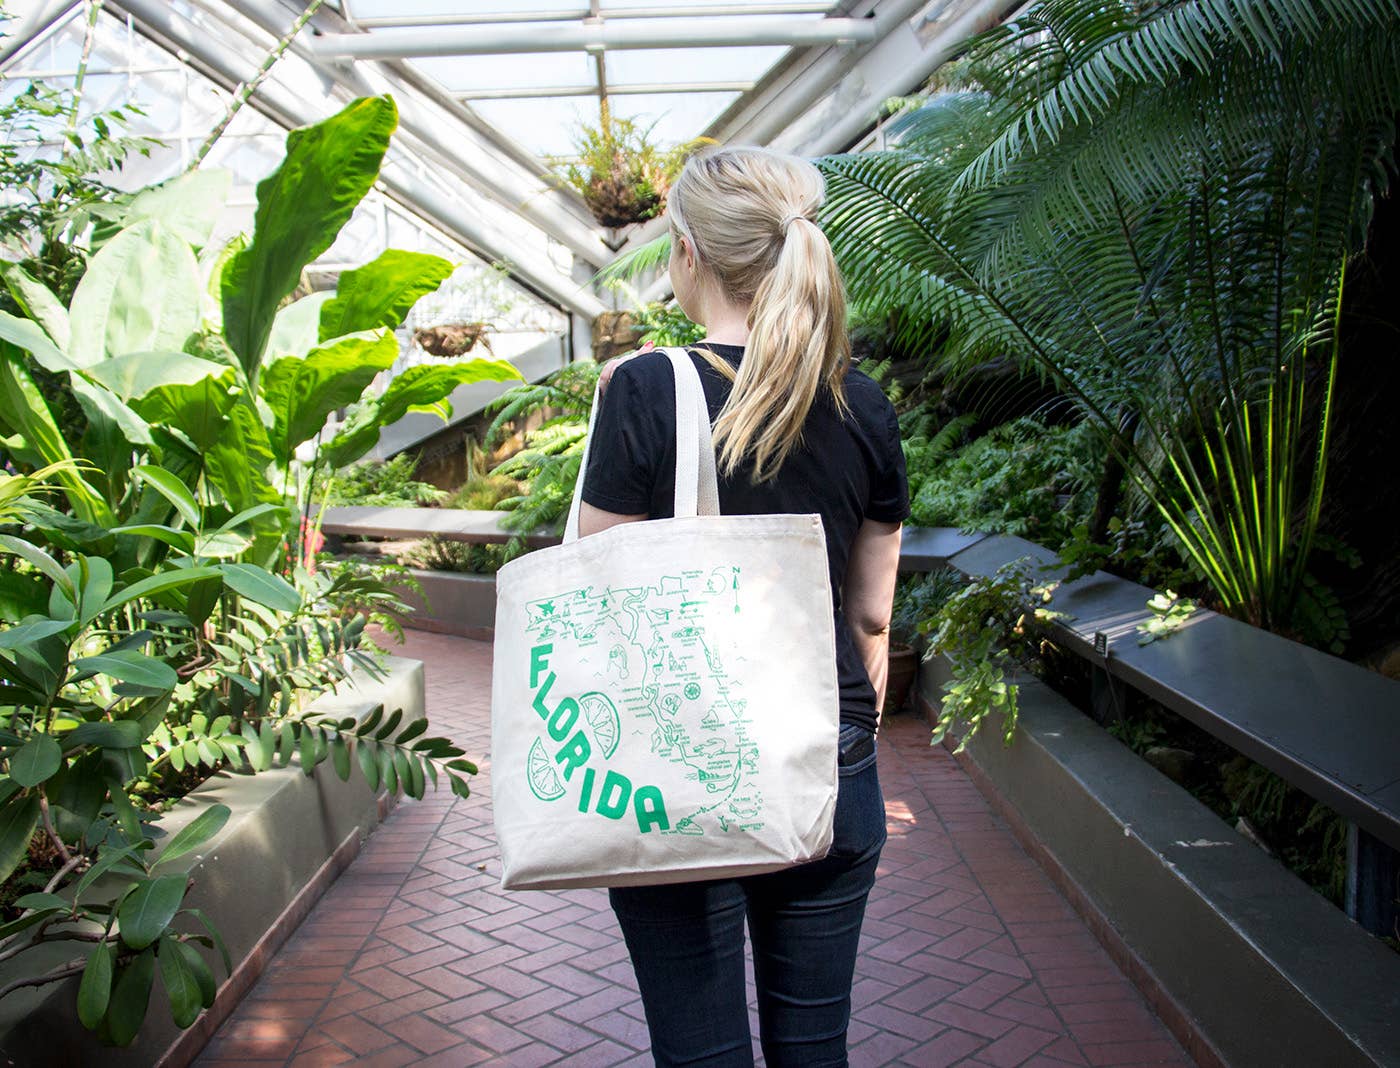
(591, 520)
(868, 595)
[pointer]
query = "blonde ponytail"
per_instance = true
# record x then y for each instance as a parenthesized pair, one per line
(751, 216)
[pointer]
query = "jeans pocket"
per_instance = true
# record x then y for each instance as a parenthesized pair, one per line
(859, 824)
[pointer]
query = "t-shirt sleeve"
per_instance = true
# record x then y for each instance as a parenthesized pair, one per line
(622, 453)
(889, 485)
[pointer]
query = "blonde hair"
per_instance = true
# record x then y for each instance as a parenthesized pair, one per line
(750, 215)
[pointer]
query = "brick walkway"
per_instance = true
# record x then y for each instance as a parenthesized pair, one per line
(415, 956)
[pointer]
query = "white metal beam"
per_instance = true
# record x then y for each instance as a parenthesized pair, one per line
(635, 89)
(295, 100)
(945, 34)
(44, 15)
(791, 7)
(604, 36)
(458, 147)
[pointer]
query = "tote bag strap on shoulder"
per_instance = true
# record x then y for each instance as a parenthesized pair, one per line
(697, 480)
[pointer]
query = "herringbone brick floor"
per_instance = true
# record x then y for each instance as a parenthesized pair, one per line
(415, 956)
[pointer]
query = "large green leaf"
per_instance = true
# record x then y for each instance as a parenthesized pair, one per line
(18, 818)
(178, 974)
(148, 910)
(198, 831)
(130, 998)
(198, 410)
(166, 580)
(27, 633)
(37, 301)
(188, 205)
(302, 205)
(140, 292)
(238, 463)
(25, 413)
(127, 665)
(260, 585)
(415, 388)
(138, 374)
(173, 490)
(302, 392)
(36, 760)
(95, 990)
(380, 293)
(113, 430)
(28, 335)
(295, 329)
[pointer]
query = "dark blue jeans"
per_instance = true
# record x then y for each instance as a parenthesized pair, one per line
(687, 946)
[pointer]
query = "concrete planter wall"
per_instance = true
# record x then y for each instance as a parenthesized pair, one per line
(454, 603)
(1242, 959)
(287, 839)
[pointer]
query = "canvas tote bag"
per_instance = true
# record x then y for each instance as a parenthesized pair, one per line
(664, 699)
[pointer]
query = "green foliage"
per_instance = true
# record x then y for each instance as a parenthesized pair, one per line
(984, 632)
(337, 161)
(666, 326)
(1022, 478)
(621, 174)
(917, 599)
(552, 453)
(439, 554)
(382, 484)
(1152, 206)
(481, 492)
(162, 614)
(1169, 614)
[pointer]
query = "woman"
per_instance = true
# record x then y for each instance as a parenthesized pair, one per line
(796, 431)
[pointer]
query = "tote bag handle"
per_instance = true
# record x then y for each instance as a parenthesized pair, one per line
(697, 480)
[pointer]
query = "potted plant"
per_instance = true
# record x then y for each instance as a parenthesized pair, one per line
(917, 599)
(621, 174)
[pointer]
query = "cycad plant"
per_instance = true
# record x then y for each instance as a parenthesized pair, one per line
(1153, 204)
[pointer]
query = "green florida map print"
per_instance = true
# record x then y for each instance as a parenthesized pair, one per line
(654, 657)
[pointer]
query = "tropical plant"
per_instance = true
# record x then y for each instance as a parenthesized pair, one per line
(548, 463)
(1154, 206)
(123, 678)
(164, 616)
(1022, 478)
(985, 631)
(381, 484)
(620, 173)
(917, 599)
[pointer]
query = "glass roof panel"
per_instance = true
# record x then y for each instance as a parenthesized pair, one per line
(651, 65)
(459, 73)
(369, 9)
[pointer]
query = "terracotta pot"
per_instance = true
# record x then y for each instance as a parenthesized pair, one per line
(904, 666)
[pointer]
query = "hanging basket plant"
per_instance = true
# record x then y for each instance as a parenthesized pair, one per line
(621, 174)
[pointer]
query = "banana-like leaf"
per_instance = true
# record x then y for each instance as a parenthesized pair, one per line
(37, 301)
(380, 293)
(30, 336)
(238, 464)
(141, 292)
(188, 205)
(25, 413)
(296, 328)
(422, 385)
(328, 169)
(302, 392)
(198, 410)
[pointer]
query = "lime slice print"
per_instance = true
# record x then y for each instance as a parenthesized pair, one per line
(544, 780)
(601, 715)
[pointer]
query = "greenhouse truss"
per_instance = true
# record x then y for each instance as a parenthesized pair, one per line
(489, 92)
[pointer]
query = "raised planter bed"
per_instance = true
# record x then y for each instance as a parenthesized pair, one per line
(287, 839)
(454, 602)
(1244, 962)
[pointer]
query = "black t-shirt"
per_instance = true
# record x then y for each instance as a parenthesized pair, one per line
(845, 469)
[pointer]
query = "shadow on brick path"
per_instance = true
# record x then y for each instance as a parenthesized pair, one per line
(969, 955)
